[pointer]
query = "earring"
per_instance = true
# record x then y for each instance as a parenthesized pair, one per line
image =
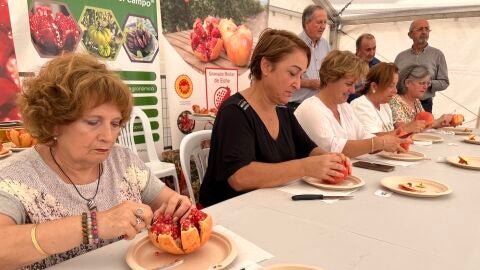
(373, 91)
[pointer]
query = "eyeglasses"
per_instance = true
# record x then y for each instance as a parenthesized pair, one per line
(424, 83)
(422, 29)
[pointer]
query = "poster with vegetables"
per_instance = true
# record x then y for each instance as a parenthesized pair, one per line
(9, 80)
(205, 35)
(122, 34)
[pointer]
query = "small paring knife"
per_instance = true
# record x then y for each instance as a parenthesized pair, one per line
(302, 197)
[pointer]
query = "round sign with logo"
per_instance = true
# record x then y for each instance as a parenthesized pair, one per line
(183, 86)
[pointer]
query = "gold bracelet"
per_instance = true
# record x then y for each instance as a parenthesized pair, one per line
(371, 151)
(33, 234)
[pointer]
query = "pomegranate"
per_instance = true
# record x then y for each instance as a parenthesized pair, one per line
(206, 40)
(181, 237)
(9, 82)
(53, 33)
(20, 138)
(457, 120)
(400, 132)
(426, 116)
(238, 42)
(339, 179)
(221, 94)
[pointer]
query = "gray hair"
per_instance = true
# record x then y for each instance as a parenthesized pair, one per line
(413, 72)
(308, 13)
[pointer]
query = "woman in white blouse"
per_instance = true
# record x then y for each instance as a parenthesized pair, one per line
(330, 121)
(372, 108)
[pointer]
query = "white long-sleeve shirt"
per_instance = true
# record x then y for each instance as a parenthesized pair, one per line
(323, 128)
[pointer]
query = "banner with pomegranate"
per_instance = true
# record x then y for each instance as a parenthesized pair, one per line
(121, 33)
(207, 46)
(9, 81)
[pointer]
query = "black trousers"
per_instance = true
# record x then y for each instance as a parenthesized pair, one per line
(427, 104)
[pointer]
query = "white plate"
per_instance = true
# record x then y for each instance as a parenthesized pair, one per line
(408, 156)
(4, 155)
(219, 251)
(475, 141)
(431, 188)
(291, 267)
(350, 182)
(474, 162)
(13, 148)
(459, 130)
(427, 137)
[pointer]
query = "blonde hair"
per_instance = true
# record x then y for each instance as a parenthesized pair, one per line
(65, 88)
(339, 64)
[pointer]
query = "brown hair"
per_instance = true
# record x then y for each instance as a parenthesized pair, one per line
(65, 88)
(273, 45)
(339, 64)
(381, 74)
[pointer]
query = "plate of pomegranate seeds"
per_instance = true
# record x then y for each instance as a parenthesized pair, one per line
(218, 252)
(415, 186)
(350, 182)
(467, 162)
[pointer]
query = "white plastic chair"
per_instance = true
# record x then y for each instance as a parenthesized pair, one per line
(158, 168)
(190, 146)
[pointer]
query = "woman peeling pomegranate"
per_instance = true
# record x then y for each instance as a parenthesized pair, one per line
(76, 190)
(256, 140)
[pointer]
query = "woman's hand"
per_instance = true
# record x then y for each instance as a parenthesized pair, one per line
(443, 121)
(393, 144)
(177, 206)
(125, 219)
(415, 126)
(326, 166)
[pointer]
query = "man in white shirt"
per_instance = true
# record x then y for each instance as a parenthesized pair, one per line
(314, 22)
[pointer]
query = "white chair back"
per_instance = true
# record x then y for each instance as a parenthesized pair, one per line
(126, 137)
(191, 146)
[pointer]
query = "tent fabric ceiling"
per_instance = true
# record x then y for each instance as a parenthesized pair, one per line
(457, 36)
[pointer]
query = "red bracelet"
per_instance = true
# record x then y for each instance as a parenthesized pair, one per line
(96, 240)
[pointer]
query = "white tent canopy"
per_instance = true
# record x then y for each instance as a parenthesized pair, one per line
(455, 31)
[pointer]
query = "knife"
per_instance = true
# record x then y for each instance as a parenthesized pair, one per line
(320, 197)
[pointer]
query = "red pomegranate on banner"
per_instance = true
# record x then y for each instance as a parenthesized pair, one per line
(206, 40)
(221, 94)
(9, 81)
(181, 237)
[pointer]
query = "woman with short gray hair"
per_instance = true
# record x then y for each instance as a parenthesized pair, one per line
(413, 82)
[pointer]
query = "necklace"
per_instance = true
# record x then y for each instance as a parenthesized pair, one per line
(90, 202)
(385, 126)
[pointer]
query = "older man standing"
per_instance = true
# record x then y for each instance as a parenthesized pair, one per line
(366, 47)
(423, 54)
(314, 22)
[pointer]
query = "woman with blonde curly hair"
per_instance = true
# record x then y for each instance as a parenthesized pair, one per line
(76, 190)
(329, 120)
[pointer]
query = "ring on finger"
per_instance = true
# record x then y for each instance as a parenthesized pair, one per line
(139, 220)
(139, 212)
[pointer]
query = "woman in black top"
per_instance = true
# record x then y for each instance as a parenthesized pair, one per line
(256, 142)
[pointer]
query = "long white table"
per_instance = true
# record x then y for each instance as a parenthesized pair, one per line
(368, 232)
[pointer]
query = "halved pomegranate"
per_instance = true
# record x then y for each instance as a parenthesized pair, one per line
(181, 237)
(206, 40)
